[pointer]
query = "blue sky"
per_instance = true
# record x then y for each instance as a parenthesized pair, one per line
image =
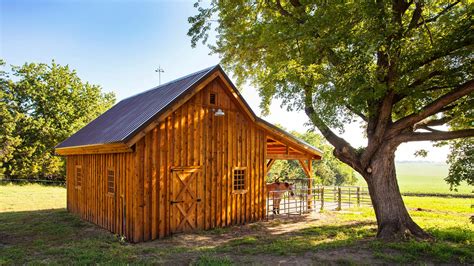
(118, 44)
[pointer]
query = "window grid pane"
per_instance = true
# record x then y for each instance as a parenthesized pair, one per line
(239, 179)
(110, 181)
(78, 176)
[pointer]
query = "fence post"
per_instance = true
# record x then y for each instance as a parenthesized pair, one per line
(268, 203)
(349, 201)
(339, 205)
(310, 192)
(358, 196)
(322, 198)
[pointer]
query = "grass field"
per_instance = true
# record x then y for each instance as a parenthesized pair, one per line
(420, 177)
(34, 197)
(48, 234)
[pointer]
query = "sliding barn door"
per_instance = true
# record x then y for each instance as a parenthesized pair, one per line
(184, 198)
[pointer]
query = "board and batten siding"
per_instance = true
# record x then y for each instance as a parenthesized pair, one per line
(190, 137)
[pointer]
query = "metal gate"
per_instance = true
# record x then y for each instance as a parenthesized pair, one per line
(317, 198)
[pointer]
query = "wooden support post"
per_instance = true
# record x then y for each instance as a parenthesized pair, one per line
(358, 196)
(339, 200)
(308, 169)
(310, 185)
(322, 198)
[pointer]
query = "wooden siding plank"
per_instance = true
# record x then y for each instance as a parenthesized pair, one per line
(154, 184)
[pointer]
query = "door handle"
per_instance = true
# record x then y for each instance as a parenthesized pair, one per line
(198, 200)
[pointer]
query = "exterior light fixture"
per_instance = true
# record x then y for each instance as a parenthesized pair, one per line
(219, 112)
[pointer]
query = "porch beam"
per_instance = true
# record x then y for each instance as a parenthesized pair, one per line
(269, 165)
(288, 157)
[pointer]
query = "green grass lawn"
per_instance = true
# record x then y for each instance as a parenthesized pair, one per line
(420, 177)
(50, 235)
(31, 197)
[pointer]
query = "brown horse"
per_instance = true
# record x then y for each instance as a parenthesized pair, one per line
(276, 192)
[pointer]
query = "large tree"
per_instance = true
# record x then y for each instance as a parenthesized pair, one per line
(402, 67)
(40, 106)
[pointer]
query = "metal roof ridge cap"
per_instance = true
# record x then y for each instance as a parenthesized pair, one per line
(147, 120)
(172, 81)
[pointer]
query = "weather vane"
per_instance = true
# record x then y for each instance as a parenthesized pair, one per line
(159, 70)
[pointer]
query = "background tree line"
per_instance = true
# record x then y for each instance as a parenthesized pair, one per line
(40, 106)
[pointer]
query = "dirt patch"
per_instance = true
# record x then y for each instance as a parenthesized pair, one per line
(272, 260)
(221, 236)
(351, 255)
(280, 228)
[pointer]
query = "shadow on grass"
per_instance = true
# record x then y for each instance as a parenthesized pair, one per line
(56, 236)
(47, 236)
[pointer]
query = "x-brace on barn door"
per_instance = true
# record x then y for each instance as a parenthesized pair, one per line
(184, 198)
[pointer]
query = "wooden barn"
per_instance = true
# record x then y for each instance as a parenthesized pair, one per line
(189, 154)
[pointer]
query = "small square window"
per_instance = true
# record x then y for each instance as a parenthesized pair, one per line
(78, 176)
(110, 181)
(239, 178)
(213, 98)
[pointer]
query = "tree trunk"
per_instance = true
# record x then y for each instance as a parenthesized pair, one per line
(393, 219)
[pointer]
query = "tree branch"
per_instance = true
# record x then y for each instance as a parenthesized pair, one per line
(452, 106)
(432, 122)
(295, 3)
(435, 136)
(432, 108)
(421, 80)
(342, 149)
(428, 30)
(435, 88)
(378, 127)
(286, 13)
(282, 11)
(416, 15)
(437, 55)
(429, 128)
(361, 115)
(434, 18)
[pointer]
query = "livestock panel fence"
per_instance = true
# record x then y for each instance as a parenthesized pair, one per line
(316, 198)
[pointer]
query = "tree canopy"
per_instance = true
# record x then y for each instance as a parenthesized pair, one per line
(402, 67)
(41, 105)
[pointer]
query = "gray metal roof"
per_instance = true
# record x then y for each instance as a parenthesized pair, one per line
(132, 114)
(129, 116)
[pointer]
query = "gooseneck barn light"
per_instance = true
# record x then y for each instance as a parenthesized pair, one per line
(219, 112)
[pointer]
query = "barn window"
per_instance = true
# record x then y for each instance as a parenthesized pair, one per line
(213, 98)
(78, 176)
(110, 181)
(239, 179)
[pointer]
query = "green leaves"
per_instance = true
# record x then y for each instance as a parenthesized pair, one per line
(349, 53)
(42, 106)
(461, 162)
